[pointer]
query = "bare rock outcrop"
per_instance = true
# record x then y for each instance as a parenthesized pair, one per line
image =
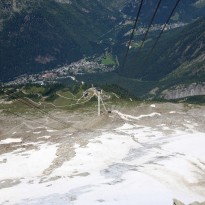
(182, 91)
(177, 202)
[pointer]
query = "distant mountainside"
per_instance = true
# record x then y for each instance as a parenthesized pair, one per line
(187, 10)
(37, 35)
(40, 35)
(175, 69)
(180, 53)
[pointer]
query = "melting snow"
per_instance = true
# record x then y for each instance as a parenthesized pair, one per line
(27, 164)
(131, 117)
(129, 165)
(36, 133)
(51, 130)
(46, 136)
(10, 140)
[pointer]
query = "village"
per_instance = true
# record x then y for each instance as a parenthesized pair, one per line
(80, 67)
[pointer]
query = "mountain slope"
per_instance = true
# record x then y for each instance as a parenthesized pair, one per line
(186, 11)
(53, 33)
(40, 35)
(175, 69)
(179, 53)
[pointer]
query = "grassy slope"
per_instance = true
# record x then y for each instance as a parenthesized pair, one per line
(50, 97)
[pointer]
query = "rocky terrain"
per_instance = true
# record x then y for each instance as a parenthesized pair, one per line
(140, 150)
(182, 91)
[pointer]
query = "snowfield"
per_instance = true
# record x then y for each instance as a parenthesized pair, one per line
(146, 159)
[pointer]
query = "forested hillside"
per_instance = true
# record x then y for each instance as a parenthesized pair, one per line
(41, 35)
(50, 33)
(180, 53)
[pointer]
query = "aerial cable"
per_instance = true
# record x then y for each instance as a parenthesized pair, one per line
(26, 102)
(132, 34)
(23, 117)
(151, 22)
(17, 115)
(29, 104)
(163, 28)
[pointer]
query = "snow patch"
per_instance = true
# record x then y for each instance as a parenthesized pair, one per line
(125, 127)
(172, 112)
(27, 164)
(46, 137)
(131, 117)
(10, 140)
(36, 133)
(51, 130)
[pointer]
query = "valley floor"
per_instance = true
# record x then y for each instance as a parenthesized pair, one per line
(145, 154)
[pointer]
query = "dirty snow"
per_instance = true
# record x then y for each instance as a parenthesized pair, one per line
(131, 164)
